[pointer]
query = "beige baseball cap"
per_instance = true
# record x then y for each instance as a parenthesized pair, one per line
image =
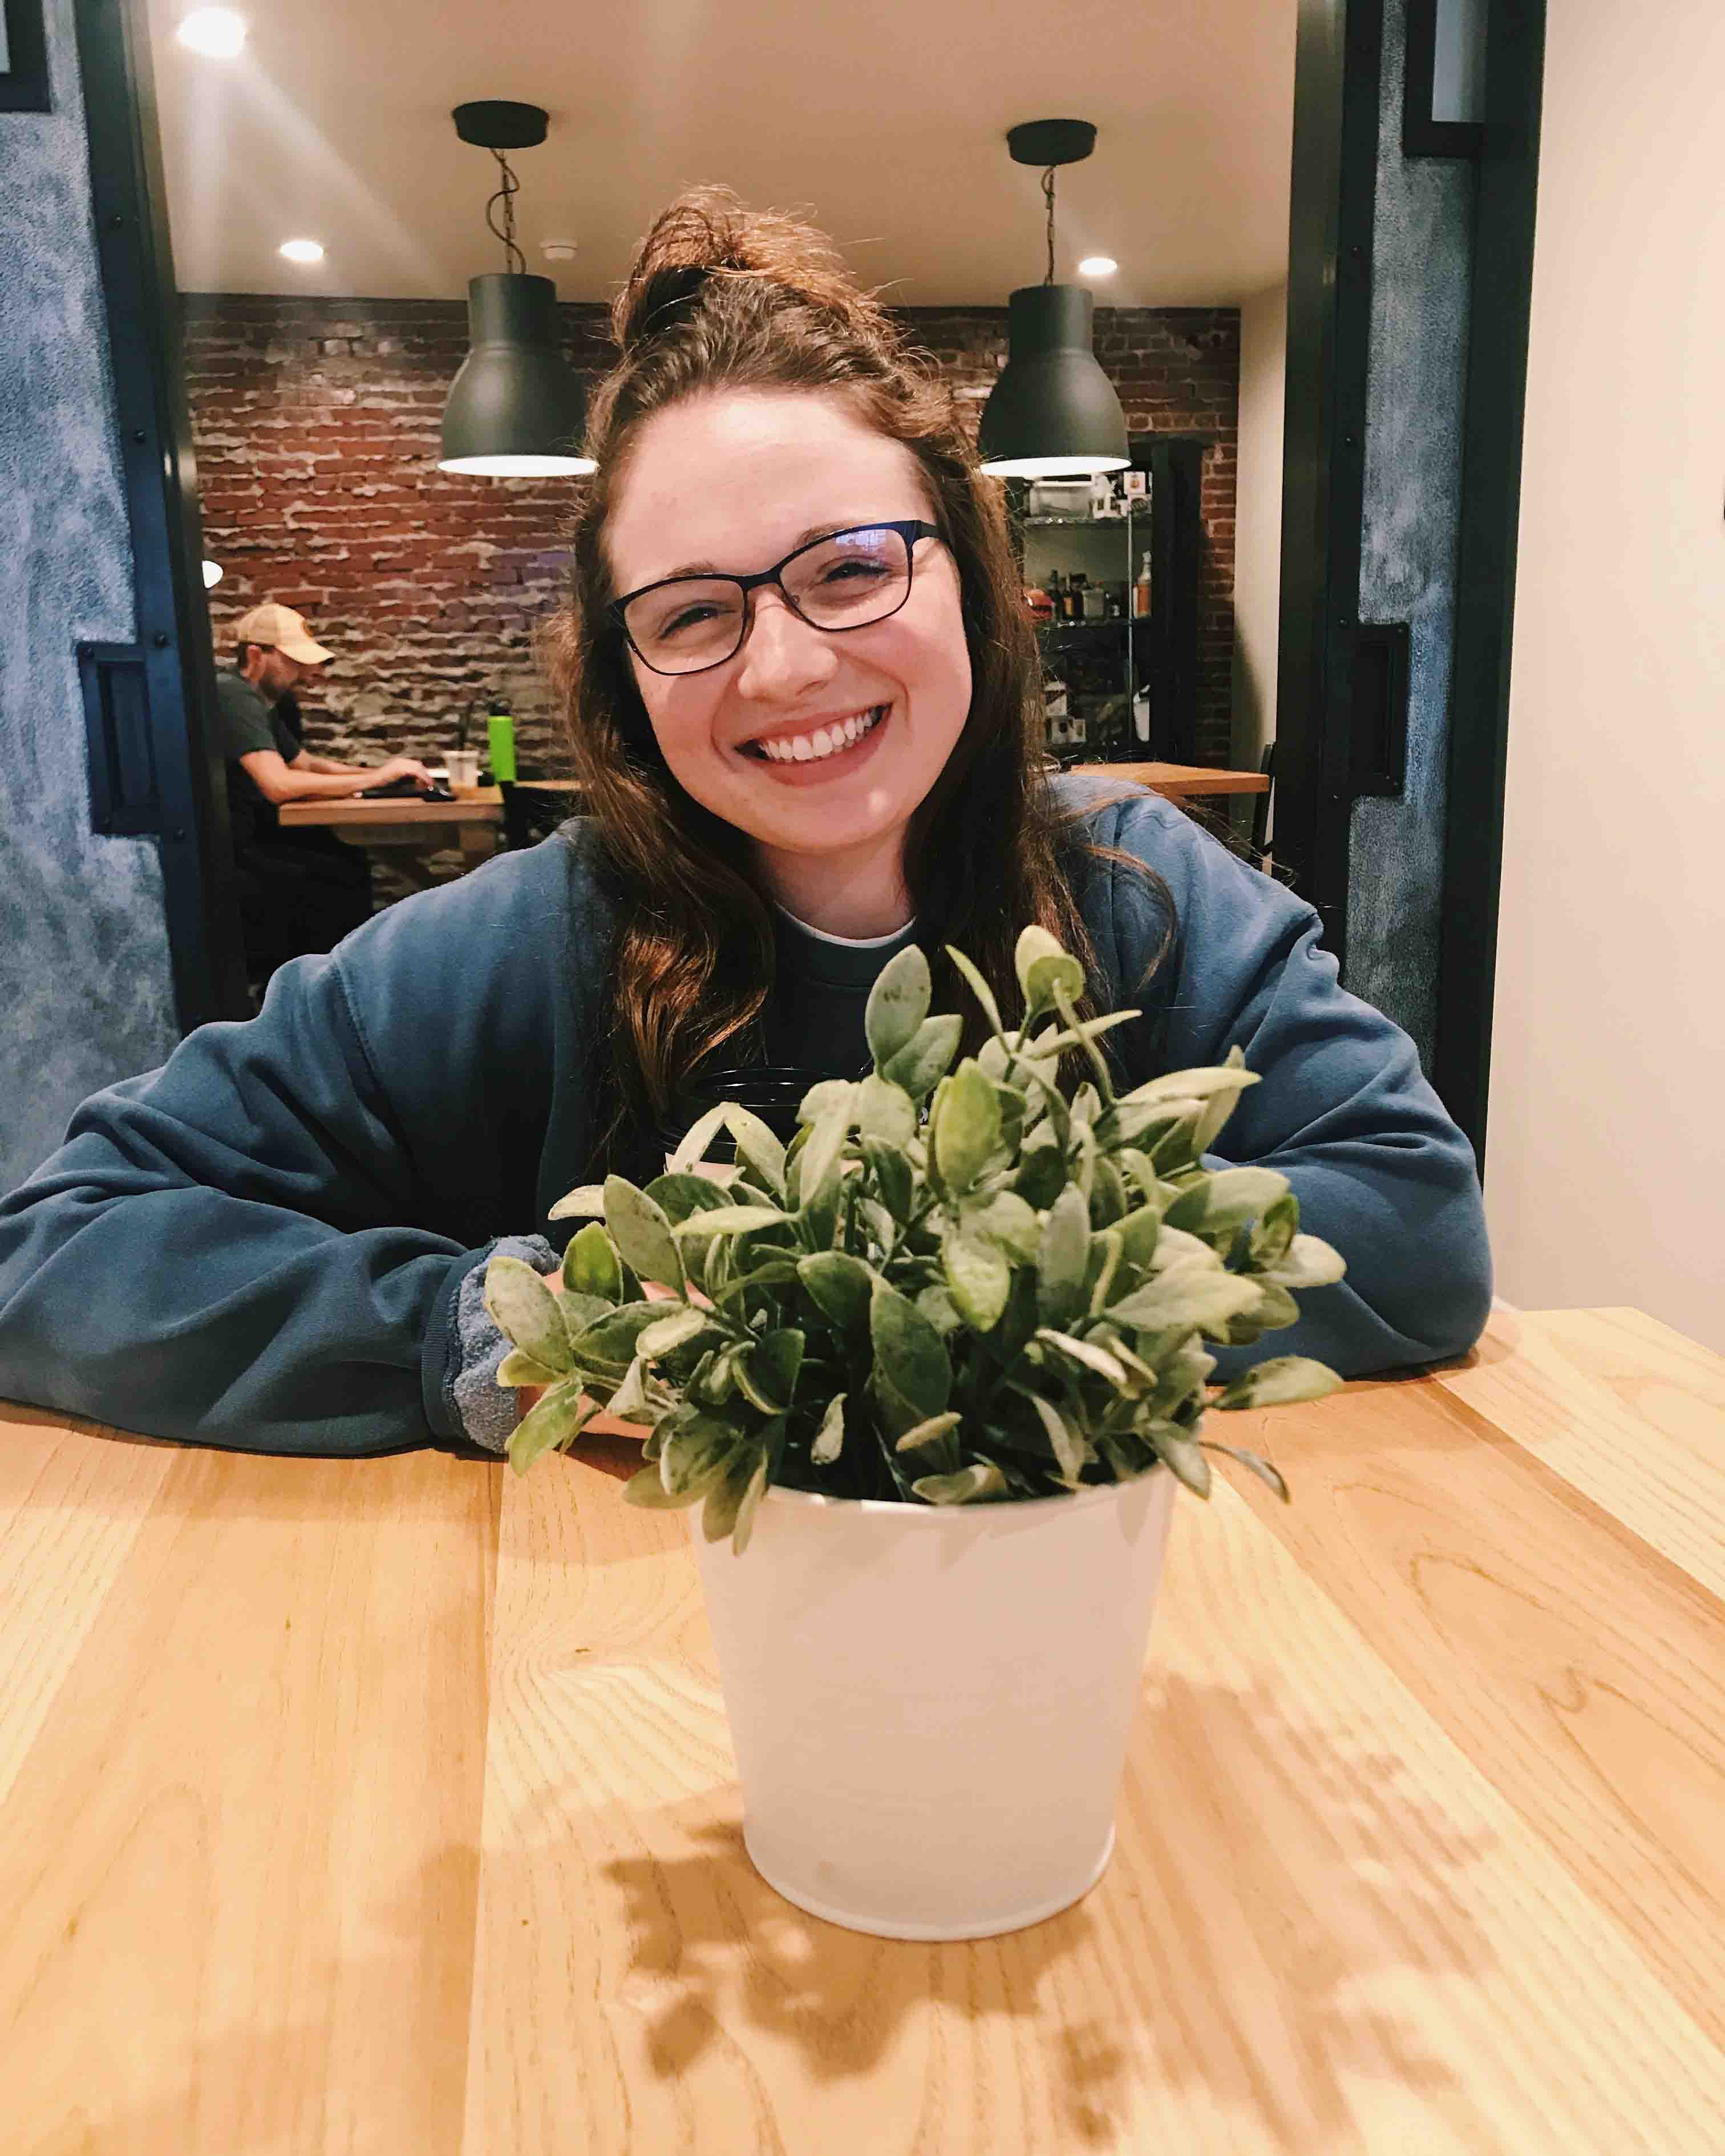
(282, 630)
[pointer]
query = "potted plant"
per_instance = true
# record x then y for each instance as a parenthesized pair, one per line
(938, 1364)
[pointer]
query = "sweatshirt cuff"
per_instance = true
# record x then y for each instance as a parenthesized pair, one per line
(464, 1348)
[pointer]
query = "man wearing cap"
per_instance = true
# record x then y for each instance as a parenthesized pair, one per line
(304, 891)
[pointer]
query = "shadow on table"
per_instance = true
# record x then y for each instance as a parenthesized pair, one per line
(1215, 1954)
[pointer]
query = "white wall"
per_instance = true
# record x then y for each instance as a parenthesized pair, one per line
(1257, 524)
(1605, 1146)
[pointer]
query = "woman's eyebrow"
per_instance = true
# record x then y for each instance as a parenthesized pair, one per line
(805, 538)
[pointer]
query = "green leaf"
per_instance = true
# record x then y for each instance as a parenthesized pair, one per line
(909, 1350)
(920, 1064)
(927, 1433)
(1175, 1248)
(587, 1202)
(1138, 1233)
(1042, 1176)
(767, 1371)
(829, 1437)
(1278, 1383)
(978, 988)
(732, 1220)
(822, 1154)
(936, 1303)
(557, 1419)
(886, 1112)
(519, 1369)
(981, 1480)
(681, 1326)
(898, 1003)
(680, 1198)
(608, 1344)
(1043, 966)
(726, 1493)
(978, 1277)
(590, 1264)
(642, 1234)
(1182, 1455)
(1226, 1200)
(824, 1096)
(1071, 1450)
(694, 1456)
(643, 1487)
(966, 1129)
(758, 1148)
(1187, 1299)
(1262, 1468)
(1101, 1269)
(743, 1523)
(630, 1397)
(1063, 1257)
(1273, 1233)
(839, 1285)
(527, 1312)
(1086, 1353)
(1202, 1084)
(692, 1145)
(893, 1177)
(1011, 1221)
(1307, 1262)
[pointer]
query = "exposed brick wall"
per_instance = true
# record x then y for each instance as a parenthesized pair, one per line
(317, 422)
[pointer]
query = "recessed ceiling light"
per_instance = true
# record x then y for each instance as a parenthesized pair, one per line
(215, 32)
(1097, 265)
(301, 250)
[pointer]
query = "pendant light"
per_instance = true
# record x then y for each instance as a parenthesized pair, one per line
(516, 410)
(1053, 410)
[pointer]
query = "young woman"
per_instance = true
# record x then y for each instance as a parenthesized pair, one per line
(803, 697)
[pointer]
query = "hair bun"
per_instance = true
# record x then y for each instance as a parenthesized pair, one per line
(707, 235)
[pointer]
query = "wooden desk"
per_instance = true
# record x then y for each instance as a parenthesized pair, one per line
(408, 825)
(1178, 781)
(387, 1805)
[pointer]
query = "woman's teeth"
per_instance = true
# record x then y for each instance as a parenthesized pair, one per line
(824, 741)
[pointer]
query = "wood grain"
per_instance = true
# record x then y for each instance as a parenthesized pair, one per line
(389, 1805)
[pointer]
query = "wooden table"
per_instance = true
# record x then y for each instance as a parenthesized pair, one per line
(388, 1806)
(409, 825)
(1178, 781)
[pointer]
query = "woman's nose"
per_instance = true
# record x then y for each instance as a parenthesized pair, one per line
(782, 654)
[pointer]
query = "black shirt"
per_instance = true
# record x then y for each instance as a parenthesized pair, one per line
(245, 723)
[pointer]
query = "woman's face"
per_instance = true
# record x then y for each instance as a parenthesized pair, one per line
(733, 482)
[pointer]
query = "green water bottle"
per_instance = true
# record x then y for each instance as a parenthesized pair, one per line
(499, 731)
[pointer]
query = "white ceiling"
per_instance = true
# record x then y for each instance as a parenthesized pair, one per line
(886, 119)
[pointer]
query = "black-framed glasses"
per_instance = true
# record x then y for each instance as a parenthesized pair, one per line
(848, 580)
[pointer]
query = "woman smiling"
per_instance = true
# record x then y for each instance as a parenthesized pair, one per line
(804, 697)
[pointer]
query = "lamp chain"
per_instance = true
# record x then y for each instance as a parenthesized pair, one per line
(505, 194)
(1048, 190)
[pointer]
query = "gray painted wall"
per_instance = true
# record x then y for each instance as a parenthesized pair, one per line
(1421, 260)
(85, 993)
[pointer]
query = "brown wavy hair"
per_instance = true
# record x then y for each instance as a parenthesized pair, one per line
(720, 297)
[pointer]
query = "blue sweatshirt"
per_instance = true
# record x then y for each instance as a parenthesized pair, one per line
(261, 1245)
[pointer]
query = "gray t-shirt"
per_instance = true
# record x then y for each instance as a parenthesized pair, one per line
(245, 722)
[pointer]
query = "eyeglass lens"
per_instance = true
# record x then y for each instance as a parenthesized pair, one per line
(843, 582)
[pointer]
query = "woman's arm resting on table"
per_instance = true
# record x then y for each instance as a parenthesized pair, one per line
(1342, 1108)
(208, 1256)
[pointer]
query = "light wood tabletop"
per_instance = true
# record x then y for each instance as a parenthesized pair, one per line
(409, 826)
(387, 1805)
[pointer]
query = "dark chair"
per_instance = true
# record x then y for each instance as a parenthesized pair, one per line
(531, 814)
(1260, 808)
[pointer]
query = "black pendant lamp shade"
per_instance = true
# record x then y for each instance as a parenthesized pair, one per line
(516, 410)
(1053, 410)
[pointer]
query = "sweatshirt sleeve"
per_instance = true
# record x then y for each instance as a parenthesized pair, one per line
(215, 1254)
(1342, 1107)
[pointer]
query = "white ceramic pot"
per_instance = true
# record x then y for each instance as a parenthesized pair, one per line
(929, 1704)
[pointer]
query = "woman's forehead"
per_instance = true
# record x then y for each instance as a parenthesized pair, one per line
(732, 481)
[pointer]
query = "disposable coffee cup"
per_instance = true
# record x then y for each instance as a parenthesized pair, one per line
(463, 765)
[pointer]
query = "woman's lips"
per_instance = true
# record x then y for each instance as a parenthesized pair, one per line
(818, 769)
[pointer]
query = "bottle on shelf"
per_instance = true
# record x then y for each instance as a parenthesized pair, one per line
(1141, 591)
(1076, 586)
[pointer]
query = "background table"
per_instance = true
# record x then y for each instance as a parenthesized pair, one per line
(409, 825)
(388, 1806)
(1178, 781)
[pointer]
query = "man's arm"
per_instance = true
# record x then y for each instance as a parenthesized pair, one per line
(279, 780)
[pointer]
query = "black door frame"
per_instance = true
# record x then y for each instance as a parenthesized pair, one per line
(155, 770)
